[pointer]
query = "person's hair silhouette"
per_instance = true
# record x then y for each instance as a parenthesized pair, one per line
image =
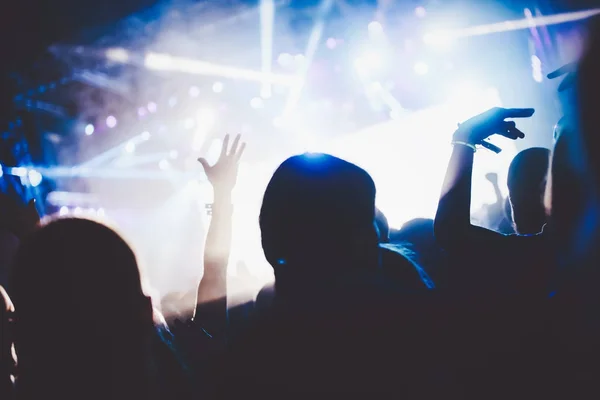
(317, 219)
(527, 176)
(83, 326)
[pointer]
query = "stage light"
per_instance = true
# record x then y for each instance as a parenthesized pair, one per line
(172, 101)
(1, 171)
(369, 62)
(89, 129)
(141, 111)
(256, 103)
(35, 178)
(331, 43)
(130, 147)
(285, 59)
(194, 91)
(18, 171)
(375, 28)
(63, 211)
(536, 68)
(117, 54)
(100, 212)
(152, 107)
(164, 165)
(421, 68)
(420, 12)
(145, 135)
(111, 121)
(217, 87)
(77, 211)
(438, 39)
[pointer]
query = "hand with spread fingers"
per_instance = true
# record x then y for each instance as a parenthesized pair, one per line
(569, 73)
(223, 174)
(475, 130)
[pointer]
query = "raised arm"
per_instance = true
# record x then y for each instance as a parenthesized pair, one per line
(211, 303)
(452, 227)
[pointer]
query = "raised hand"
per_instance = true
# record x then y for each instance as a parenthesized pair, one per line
(492, 178)
(568, 71)
(223, 174)
(480, 127)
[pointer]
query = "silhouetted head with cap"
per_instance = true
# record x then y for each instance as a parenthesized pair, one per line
(527, 176)
(317, 217)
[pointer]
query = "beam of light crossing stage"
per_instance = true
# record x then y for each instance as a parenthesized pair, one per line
(113, 173)
(507, 26)
(115, 151)
(311, 48)
(267, 17)
(166, 62)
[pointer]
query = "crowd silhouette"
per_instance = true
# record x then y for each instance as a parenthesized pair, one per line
(441, 308)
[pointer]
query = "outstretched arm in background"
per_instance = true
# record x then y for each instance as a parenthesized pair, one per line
(453, 229)
(211, 303)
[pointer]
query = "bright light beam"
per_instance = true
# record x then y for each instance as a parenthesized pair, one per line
(267, 17)
(115, 151)
(166, 62)
(309, 53)
(507, 26)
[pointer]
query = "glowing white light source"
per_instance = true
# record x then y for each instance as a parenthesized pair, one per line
(100, 212)
(375, 28)
(111, 121)
(145, 135)
(194, 91)
(130, 147)
(18, 171)
(89, 129)
(217, 87)
(285, 59)
(536, 68)
(1, 171)
(371, 61)
(35, 178)
(256, 102)
(152, 107)
(63, 211)
(331, 43)
(421, 68)
(164, 165)
(439, 39)
(420, 12)
(77, 211)
(117, 54)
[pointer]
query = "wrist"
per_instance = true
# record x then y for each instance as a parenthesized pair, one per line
(464, 145)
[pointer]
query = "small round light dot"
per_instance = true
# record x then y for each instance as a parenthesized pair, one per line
(217, 87)
(63, 211)
(89, 129)
(256, 102)
(164, 164)
(194, 91)
(152, 107)
(331, 43)
(145, 135)
(130, 147)
(111, 121)
(420, 12)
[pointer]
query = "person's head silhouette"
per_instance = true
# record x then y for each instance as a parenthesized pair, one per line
(527, 176)
(83, 323)
(6, 358)
(317, 218)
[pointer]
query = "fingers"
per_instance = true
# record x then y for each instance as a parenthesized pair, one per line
(204, 163)
(565, 69)
(234, 146)
(224, 147)
(567, 82)
(240, 151)
(516, 112)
